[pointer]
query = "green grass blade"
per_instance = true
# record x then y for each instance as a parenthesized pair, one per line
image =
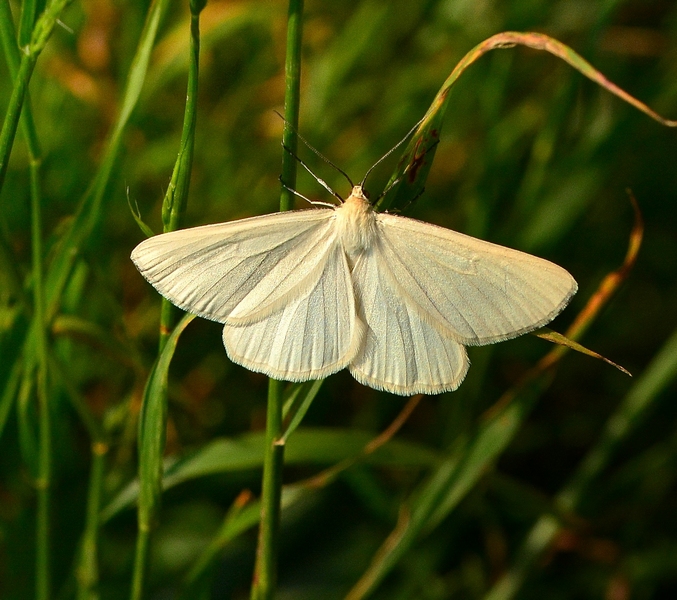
(90, 209)
(308, 446)
(448, 485)
(13, 59)
(545, 333)
(660, 373)
(87, 573)
(13, 113)
(152, 430)
(30, 9)
(414, 166)
(40, 35)
(238, 520)
(136, 214)
(9, 393)
(44, 480)
(330, 71)
(87, 561)
(174, 203)
(98, 338)
(26, 416)
(175, 200)
(242, 515)
(297, 403)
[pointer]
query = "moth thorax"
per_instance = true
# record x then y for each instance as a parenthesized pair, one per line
(356, 223)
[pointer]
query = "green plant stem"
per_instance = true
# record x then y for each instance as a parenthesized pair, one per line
(140, 561)
(29, 14)
(292, 100)
(21, 72)
(89, 212)
(177, 193)
(44, 479)
(151, 445)
(265, 570)
(87, 568)
(13, 113)
(87, 574)
(20, 69)
(150, 475)
(13, 59)
(41, 33)
(265, 574)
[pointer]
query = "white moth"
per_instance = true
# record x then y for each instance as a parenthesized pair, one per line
(303, 294)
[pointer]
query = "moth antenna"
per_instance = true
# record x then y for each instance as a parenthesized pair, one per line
(395, 147)
(316, 151)
(300, 195)
(319, 180)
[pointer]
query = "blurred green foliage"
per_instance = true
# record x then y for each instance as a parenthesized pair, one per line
(532, 155)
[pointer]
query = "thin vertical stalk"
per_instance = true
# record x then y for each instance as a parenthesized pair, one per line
(265, 571)
(292, 100)
(87, 566)
(87, 574)
(89, 212)
(13, 59)
(29, 14)
(41, 33)
(13, 113)
(44, 479)
(265, 574)
(140, 561)
(19, 100)
(152, 438)
(174, 203)
(150, 475)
